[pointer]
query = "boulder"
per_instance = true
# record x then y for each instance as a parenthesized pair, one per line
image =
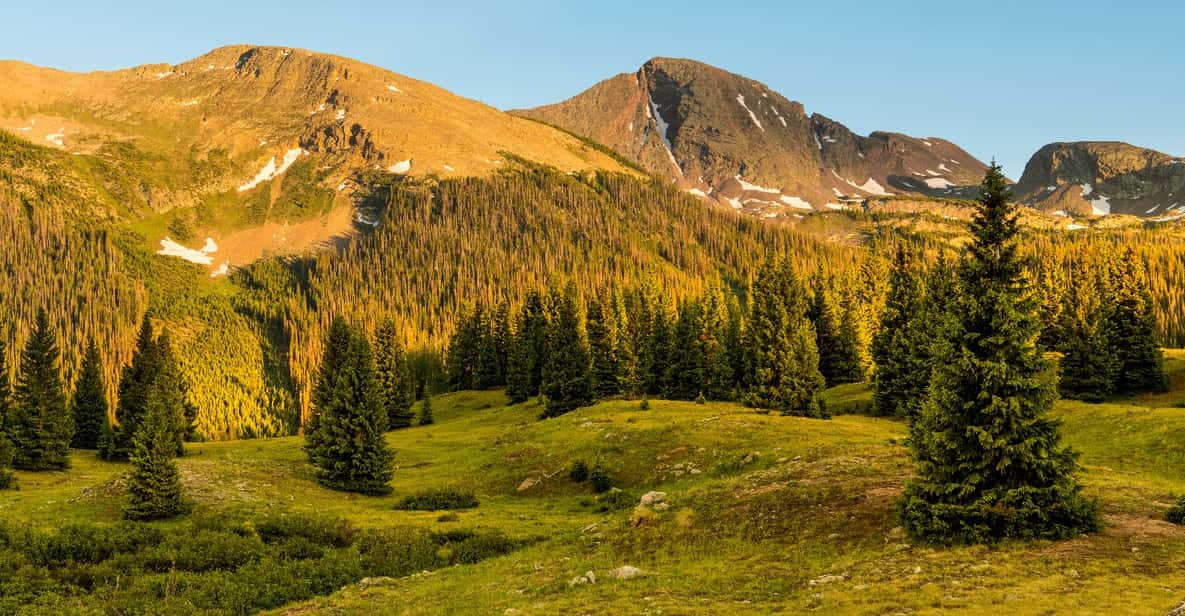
(527, 484)
(650, 499)
(626, 572)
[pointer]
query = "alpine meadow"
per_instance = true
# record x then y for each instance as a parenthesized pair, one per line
(287, 332)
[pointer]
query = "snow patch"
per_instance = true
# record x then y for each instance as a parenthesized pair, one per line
(340, 115)
(835, 206)
(393, 88)
(190, 103)
(1153, 209)
(1059, 213)
(662, 132)
(938, 183)
(163, 75)
(270, 170)
(1074, 227)
(1100, 206)
(828, 139)
(734, 202)
(943, 167)
(448, 168)
(169, 248)
(928, 144)
(752, 116)
(697, 192)
(747, 186)
(222, 270)
(400, 168)
(56, 138)
(796, 202)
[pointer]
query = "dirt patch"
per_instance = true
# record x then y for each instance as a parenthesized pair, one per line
(1124, 525)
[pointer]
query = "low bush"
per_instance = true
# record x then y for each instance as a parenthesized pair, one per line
(615, 500)
(1176, 513)
(438, 499)
(599, 478)
(578, 472)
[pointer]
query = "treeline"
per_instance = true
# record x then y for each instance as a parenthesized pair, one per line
(773, 346)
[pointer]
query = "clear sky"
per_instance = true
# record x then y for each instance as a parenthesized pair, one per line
(999, 78)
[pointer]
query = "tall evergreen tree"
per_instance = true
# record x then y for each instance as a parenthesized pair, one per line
(40, 424)
(7, 480)
(990, 463)
(391, 373)
(534, 331)
(719, 373)
(426, 418)
(347, 443)
(658, 348)
(519, 362)
(784, 361)
(836, 338)
(490, 359)
(602, 342)
(154, 486)
(1089, 365)
(134, 382)
(168, 385)
(567, 376)
(90, 400)
(687, 361)
(628, 378)
(465, 351)
(1131, 328)
(902, 347)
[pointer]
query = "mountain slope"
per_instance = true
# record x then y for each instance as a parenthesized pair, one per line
(1104, 177)
(731, 138)
(214, 132)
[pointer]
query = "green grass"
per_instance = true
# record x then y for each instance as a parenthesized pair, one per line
(761, 506)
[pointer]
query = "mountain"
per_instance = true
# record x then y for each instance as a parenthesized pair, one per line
(1104, 177)
(207, 137)
(732, 139)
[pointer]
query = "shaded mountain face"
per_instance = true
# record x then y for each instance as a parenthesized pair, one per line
(731, 139)
(265, 148)
(1104, 177)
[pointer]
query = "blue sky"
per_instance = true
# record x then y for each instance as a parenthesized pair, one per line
(999, 78)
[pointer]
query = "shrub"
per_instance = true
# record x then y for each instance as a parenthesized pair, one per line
(203, 551)
(578, 472)
(615, 500)
(700, 399)
(1176, 513)
(438, 499)
(396, 552)
(481, 546)
(645, 404)
(600, 480)
(330, 532)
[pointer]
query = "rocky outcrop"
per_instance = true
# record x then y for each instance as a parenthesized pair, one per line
(1104, 177)
(733, 140)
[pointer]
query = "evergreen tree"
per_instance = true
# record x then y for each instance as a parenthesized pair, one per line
(567, 375)
(90, 401)
(7, 480)
(426, 418)
(1089, 363)
(465, 351)
(657, 349)
(154, 486)
(836, 339)
(134, 382)
(686, 359)
(168, 385)
(628, 380)
(501, 334)
(490, 360)
(1131, 329)
(40, 424)
(990, 463)
(902, 347)
(391, 374)
(784, 361)
(347, 443)
(518, 364)
(534, 332)
(719, 373)
(602, 342)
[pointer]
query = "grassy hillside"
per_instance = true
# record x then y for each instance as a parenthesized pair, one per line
(766, 513)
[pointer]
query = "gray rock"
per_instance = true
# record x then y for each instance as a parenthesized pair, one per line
(650, 499)
(626, 572)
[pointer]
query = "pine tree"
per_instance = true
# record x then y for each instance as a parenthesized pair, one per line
(168, 387)
(686, 360)
(90, 401)
(347, 443)
(1089, 363)
(40, 424)
(990, 463)
(836, 339)
(657, 349)
(154, 486)
(134, 382)
(534, 332)
(426, 418)
(1131, 329)
(602, 342)
(465, 350)
(519, 364)
(719, 373)
(7, 480)
(490, 360)
(394, 382)
(784, 361)
(567, 376)
(628, 380)
(901, 348)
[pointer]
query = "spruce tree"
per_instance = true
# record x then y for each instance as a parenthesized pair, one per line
(1089, 363)
(901, 348)
(40, 424)
(7, 480)
(990, 462)
(836, 337)
(168, 387)
(1131, 329)
(90, 400)
(426, 418)
(518, 365)
(391, 374)
(719, 373)
(602, 342)
(533, 329)
(465, 351)
(686, 359)
(657, 349)
(784, 361)
(347, 444)
(134, 382)
(490, 360)
(567, 375)
(154, 486)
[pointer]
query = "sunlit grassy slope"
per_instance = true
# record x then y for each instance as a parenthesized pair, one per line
(768, 514)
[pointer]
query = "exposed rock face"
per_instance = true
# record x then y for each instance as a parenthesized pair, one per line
(1104, 177)
(732, 139)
